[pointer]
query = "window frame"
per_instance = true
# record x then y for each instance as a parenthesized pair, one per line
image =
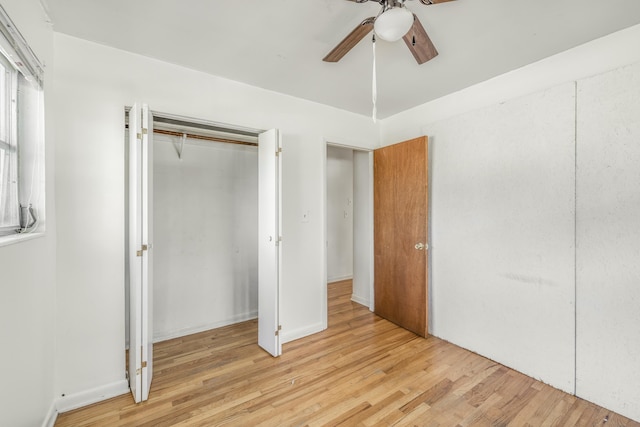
(24, 139)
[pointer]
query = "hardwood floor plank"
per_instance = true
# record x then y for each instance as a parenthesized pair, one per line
(531, 410)
(560, 409)
(361, 371)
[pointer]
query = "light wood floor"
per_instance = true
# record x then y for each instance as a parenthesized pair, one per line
(362, 371)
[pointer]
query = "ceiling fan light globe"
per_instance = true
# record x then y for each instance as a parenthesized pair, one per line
(393, 24)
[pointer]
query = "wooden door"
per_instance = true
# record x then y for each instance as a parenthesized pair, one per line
(400, 234)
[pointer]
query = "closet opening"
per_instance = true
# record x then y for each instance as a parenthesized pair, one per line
(205, 228)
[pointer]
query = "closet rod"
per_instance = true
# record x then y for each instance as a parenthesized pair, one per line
(205, 138)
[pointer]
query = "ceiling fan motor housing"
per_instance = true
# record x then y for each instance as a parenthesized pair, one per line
(393, 23)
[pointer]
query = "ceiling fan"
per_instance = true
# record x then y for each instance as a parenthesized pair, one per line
(394, 21)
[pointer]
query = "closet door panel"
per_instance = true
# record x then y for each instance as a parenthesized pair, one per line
(147, 252)
(135, 261)
(268, 242)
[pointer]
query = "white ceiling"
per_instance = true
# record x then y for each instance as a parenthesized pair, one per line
(279, 44)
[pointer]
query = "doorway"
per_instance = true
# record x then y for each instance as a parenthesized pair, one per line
(349, 219)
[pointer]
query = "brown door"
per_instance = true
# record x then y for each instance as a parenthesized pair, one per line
(400, 228)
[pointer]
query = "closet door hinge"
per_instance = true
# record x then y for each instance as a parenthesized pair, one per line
(144, 363)
(278, 331)
(278, 152)
(142, 249)
(145, 131)
(139, 370)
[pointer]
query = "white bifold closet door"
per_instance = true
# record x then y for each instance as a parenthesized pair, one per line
(269, 242)
(141, 247)
(140, 251)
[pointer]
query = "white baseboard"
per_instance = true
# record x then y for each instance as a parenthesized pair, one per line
(339, 278)
(360, 300)
(164, 336)
(288, 336)
(51, 417)
(94, 395)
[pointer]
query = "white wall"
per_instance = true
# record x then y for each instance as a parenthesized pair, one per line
(502, 243)
(523, 262)
(27, 286)
(93, 84)
(205, 236)
(608, 240)
(339, 213)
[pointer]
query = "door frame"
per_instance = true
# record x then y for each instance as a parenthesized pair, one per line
(326, 142)
(127, 230)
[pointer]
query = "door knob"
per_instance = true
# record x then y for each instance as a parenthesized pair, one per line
(420, 246)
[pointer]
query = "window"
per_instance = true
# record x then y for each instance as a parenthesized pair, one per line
(21, 130)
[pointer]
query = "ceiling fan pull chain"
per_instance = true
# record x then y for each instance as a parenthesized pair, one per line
(374, 89)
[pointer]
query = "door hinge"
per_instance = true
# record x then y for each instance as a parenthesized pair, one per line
(144, 364)
(142, 249)
(145, 131)
(139, 136)
(278, 331)
(278, 152)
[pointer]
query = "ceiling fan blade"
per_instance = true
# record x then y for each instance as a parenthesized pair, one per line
(427, 2)
(350, 41)
(419, 42)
